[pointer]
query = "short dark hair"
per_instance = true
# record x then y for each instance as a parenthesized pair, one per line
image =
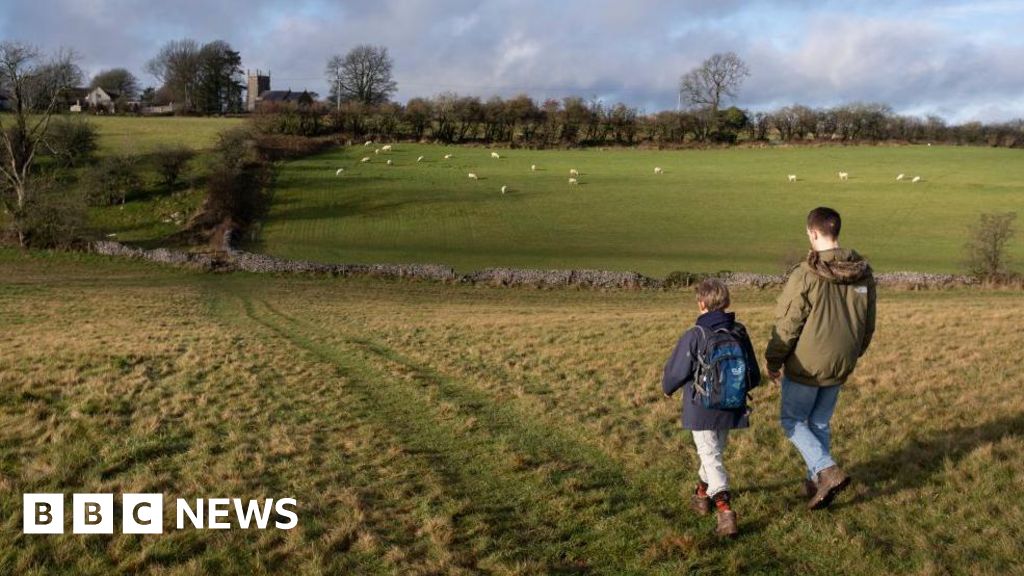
(825, 221)
(713, 294)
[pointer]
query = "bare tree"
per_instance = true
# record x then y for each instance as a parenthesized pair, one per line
(35, 85)
(362, 75)
(718, 77)
(177, 66)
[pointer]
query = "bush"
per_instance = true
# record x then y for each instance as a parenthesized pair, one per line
(53, 217)
(171, 161)
(680, 279)
(112, 180)
(71, 141)
(987, 259)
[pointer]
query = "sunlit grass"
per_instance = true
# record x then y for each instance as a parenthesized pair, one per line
(426, 428)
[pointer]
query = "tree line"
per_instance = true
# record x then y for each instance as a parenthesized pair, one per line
(573, 121)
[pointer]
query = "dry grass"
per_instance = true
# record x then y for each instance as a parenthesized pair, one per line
(427, 429)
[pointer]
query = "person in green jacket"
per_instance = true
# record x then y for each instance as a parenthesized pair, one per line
(824, 322)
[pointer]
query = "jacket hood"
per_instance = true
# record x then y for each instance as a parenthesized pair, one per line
(839, 265)
(717, 319)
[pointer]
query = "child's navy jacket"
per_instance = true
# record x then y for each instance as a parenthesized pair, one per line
(682, 366)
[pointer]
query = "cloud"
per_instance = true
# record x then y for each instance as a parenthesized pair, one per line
(955, 57)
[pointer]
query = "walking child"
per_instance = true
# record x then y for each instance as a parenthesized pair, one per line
(715, 365)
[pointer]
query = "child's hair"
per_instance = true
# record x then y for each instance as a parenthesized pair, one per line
(713, 294)
(825, 221)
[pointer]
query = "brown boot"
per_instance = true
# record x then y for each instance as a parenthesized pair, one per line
(727, 527)
(699, 501)
(831, 481)
(809, 489)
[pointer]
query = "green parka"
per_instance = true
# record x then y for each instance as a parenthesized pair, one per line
(825, 318)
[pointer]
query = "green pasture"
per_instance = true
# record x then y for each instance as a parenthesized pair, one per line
(711, 210)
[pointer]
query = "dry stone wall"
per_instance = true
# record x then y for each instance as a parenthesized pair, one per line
(229, 260)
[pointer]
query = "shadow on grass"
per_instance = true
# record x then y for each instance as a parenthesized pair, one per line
(916, 463)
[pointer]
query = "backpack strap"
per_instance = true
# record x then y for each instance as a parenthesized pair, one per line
(702, 365)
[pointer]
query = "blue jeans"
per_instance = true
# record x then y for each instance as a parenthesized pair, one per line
(806, 412)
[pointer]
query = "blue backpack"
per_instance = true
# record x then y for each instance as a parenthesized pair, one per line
(721, 379)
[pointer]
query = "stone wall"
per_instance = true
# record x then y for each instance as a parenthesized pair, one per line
(232, 259)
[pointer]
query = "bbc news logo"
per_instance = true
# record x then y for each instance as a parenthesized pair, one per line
(144, 513)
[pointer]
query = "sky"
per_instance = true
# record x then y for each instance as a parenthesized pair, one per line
(961, 60)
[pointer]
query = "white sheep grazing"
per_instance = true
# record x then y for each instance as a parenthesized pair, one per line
(339, 171)
(376, 151)
(574, 172)
(473, 176)
(792, 177)
(915, 180)
(368, 143)
(389, 162)
(533, 167)
(448, 156)
(420, 159)
(385, 148)
(900, 177)
(365, 159)
(658, 170)
(495, 155)
(504, 189)
(573, 181)
(844, 175)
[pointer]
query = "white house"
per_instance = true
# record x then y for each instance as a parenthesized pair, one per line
(99, 99)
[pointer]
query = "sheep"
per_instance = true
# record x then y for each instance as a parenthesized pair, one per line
(389, 163)
(844, 175)
(376, 151)
(901, 177)
(473, 176)
(658, 170)
(448, 156)
(533, 167)
(420, 159)
(792, 177)
(112, 235)
(495, 155)
(573, 181)
(339, 171)
(574, 172)
(504, 189)
(385, 148)
(368, 143)
(365, 159)
(915, 180)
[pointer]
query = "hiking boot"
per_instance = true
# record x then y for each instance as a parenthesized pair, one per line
(726, 524)
(699, 500)
(831, 481)
(726, 517)
(809, 489)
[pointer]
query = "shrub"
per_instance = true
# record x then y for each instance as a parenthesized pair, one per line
(986, 249)
(54, 217)
(71, 141)
(112, 180)
(171, 161)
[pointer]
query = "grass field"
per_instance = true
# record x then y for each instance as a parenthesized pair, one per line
(711, 210)
(133, 135)
(428, 429)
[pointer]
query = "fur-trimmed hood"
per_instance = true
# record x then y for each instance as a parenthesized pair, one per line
(839, 265)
